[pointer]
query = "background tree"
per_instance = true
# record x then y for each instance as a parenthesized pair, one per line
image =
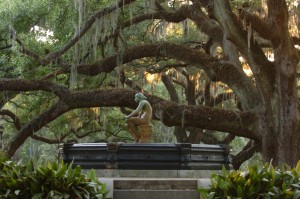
(206, 66)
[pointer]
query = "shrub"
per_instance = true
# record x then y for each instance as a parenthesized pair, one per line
(52, 180)
(256, 183)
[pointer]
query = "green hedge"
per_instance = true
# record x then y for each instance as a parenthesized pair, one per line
(255, 183)
(51, 180)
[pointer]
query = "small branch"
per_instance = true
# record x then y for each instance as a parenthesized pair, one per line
(48, 140)
(246, 153)
(5, 47)
(228, 139)
(28, 52)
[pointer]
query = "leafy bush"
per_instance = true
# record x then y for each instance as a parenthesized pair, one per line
(256, 183)
(52, 180)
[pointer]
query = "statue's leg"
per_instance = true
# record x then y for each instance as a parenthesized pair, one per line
(146, 133)
(132, 126)
(133, 130)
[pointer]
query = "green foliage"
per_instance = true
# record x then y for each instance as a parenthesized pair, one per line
(52, 180)
(3, 157)
(256, 182)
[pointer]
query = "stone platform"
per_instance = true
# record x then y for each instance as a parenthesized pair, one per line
(124, 156)
(150, 171)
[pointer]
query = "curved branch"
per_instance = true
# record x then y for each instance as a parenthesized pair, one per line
(208, 26)
(264, 29)
(36, 124)
(13, 116)
(222, 71)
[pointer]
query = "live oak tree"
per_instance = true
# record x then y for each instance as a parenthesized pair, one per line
(119, 42)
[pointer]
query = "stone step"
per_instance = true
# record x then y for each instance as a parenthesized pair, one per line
(156, 194)
(155, 183)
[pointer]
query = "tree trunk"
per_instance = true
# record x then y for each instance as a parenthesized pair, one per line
(281, 140)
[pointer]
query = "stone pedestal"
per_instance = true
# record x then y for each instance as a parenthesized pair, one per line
(145, 133)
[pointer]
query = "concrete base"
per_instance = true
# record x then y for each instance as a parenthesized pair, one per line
(154, 188)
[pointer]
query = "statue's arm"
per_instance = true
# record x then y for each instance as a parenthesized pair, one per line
(137, 110)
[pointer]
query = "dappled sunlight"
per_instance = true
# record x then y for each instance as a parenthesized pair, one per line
(43, 35)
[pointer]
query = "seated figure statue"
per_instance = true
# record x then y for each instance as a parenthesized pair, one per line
(138, 122)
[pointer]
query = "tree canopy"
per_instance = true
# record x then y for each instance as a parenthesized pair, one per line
(206, 66)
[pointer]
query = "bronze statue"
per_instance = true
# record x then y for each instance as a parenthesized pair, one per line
(138, 122)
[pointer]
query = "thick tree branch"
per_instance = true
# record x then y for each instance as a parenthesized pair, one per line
(32, 85)
(203, 22)
(237, 123)
(264, 29)
(170, 88)
(179, 132)
(171, 114)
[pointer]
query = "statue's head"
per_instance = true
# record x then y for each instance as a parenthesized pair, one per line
(139, 97)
